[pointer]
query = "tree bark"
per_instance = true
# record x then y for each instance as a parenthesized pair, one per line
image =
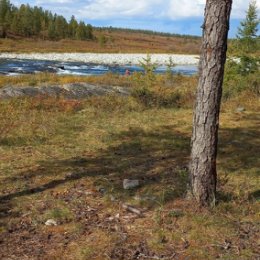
(203, 174)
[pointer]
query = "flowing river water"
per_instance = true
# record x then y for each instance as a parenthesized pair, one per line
(15, 67)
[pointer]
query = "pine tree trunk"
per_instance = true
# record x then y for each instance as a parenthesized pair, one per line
(203, 175)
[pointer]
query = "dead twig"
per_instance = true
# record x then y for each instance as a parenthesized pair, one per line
(132, 209)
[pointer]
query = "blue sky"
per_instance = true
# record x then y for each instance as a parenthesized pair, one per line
(174, 16)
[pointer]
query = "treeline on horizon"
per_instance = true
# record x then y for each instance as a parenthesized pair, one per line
(27, 21)
(149, 32)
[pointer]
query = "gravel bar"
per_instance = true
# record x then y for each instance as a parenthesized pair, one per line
(105, 58)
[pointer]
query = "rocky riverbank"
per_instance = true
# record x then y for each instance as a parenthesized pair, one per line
(103, 58)
(68, 91)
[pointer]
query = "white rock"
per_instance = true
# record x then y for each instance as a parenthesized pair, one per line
(241, 109)
(130, 184)
(51, 222)
(112, 198)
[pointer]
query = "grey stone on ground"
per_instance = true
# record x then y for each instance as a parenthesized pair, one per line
(68, 91)
(241, 109)
(130, 184)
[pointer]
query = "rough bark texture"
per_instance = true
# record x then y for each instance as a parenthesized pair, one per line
(203, 173)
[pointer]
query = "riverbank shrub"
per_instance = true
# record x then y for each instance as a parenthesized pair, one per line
(242, 73)
(153, 90)
(238, 84)
(157, 97)
(241, 76)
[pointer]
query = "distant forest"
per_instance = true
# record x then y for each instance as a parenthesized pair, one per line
(27, 21)
(149, 32)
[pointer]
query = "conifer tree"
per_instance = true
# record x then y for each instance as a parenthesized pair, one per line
(25, 20)
(30, 21)
(37, 16)
(5, 7)
(51, 31)
(89, 31)
(61, 27)
(73, 25)
(248, 43)
(5, 15)
(81, 31)
(15, 24)
(247, 32)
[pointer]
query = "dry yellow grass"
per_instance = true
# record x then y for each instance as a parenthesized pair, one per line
(49, 78)
(66, 160)
(116, 42)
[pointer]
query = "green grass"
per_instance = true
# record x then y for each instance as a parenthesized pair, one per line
(64, 160)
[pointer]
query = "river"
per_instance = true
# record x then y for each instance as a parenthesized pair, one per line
(15, 67)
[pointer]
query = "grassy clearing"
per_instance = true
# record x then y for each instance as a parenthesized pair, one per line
(66, 160)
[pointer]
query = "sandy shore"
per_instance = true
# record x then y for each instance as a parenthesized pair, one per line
(103, 58)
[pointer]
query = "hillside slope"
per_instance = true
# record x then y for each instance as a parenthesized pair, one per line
(107, 41)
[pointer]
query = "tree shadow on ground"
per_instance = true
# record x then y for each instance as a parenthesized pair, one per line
(150, 156)
(238, 156)
(239, 149)
(158, 158)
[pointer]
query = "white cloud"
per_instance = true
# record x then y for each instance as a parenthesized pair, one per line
(131, 9)
(185, 9)
(240, 6)
(41, 2)
(171, 9)
(105, 9)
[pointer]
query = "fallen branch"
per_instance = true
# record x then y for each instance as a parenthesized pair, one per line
(132, 209)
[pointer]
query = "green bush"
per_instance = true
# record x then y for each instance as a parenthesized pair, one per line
(155, 97)
(148, 79)
(145, 89)
(243, 74)
(248, 65)
(235, 83)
